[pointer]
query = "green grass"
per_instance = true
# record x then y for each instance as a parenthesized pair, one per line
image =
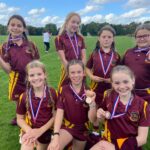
(9, 134)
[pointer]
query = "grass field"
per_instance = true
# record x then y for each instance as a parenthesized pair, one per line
(9, 134)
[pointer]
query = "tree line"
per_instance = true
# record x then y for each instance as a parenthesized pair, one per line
(86, 29)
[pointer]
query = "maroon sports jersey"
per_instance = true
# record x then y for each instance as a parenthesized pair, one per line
(136, 62)
(75, 111)
(138, 114)
(62, 42)
(95, 65)
(18, 57)
(45, 111)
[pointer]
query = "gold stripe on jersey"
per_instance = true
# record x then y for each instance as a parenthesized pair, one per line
(93, 85)
(145, 106)
(13, 77)
(120, 142)
(20, 98)
(68, 123)
(62, 77)
(107, 133)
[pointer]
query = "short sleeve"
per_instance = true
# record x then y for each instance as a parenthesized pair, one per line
(59, 43)
(90, 62)
(36, 55)
(61, 99)
(145, 114)
(21, 105)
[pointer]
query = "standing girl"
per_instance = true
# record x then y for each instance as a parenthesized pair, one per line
(101, 62)
(35, 109)
(71, 116)
(70, 44)
(127, 116)
(15, 54)
(138, 59)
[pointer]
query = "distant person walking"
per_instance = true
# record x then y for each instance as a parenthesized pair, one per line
(46, 40)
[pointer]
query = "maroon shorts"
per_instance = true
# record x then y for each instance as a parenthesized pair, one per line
(81, 135)
(45, 138)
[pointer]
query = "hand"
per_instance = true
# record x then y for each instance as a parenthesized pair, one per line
(97, 79)
(101, 114)
(33, 134)
(54, 145)
(27, 141)
(107, 80)
(90, 94)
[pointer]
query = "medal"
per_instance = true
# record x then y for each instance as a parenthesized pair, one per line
(35, 113)
(79, 98)
(76, 50)
(107, 115)
(105, 70)
(113, 115)
(88, 100)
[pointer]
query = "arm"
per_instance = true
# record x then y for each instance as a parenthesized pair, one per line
(22, 124)
(5, 66)
(93, 77)
(57, 125)
(142, 136)
(83, 56)
(63, 58)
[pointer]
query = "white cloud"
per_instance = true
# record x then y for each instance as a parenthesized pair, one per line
(142, 19)
(137, 3)
(36, 12)
(88, 8)
(2, 5)
(134, 13)
(96, 18)
(50, 19)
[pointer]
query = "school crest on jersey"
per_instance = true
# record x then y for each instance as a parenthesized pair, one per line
(134, 116)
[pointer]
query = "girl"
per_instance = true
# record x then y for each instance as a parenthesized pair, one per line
(15, 54)
(70, 44)
(71, 116)
(138, 59)
(35, 109)
(101, 62)
(126, 115)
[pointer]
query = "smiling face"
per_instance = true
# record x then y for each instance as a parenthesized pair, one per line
(143, 38)
(15, 27)
(122, 83)
(73, 23)
(76, 74)
(106, 38)
(36, 77)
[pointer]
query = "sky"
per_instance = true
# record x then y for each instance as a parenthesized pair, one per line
(38, 13)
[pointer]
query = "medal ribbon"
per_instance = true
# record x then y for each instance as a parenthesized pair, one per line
(76, 50)
(102, 64)
(142, 49)
(35, 115)
(115, 107)
(80, 98)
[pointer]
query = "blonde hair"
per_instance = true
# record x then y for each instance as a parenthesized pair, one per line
(122, 68)
(35, 64)
(69, 16)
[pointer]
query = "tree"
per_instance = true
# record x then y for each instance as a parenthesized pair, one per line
(51, 28)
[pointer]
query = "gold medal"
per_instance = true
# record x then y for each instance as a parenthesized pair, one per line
(107, 115)
(88, 100)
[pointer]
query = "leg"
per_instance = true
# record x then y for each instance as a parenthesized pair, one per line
(78, 145)
(27, 146)
(103, 145)
(65, 138)
(41, 146)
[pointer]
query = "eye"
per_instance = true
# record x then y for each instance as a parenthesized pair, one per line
(39, 74)
(19, 25)
(31, 75)
(117, 82)
(125, 81)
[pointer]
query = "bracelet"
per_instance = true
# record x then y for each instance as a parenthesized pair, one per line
(55, 133)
